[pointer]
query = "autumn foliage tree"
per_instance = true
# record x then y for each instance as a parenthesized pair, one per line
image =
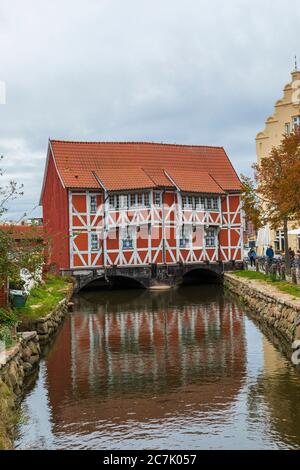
(274, 196)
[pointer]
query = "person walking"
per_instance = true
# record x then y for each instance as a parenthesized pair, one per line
(270, 255)
(252, 256)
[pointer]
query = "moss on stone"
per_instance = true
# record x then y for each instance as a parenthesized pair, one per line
(8, 416)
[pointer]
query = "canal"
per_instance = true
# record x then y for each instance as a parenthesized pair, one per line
(186, 368)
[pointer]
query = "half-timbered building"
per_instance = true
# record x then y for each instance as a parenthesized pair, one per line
(140, 204)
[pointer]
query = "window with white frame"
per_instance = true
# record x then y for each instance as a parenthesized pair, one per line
(93, 204)
(215, 203)
(185, 240)
(210, 237)
(146, 200)
(208, 203)
(123, 201)
(157, 198)
(94, 242)
(200, 202)
(296, 121)
(279, 240)
(127, 237)
(111, 201)
(287, 128)
(130, 200)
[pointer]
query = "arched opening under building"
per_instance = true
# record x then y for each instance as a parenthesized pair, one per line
(113, 282)
(201, 276)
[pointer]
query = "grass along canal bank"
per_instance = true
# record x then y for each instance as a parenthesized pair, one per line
(22, 331)
(274, 303)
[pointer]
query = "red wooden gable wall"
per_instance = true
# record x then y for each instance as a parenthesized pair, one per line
(56, 216)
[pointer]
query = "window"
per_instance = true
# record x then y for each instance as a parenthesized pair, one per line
(296, 121)
(111, 202)
(127, 235)
(146, 200)
(197, 202)
(114, 201)
(208, 203)
(94, 242)
(210, 237)
(287, 128)
(279, 240)
(127, 244)
(157, 199)
(185, 240)
(93, 204)
(124, 201)
(215, 203)
(140, 199)
(132, 200)
(200, 202)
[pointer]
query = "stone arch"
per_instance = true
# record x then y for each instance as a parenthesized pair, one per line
(111, 281)
(202, 276)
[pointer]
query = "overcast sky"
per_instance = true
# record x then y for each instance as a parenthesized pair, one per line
(183, 71)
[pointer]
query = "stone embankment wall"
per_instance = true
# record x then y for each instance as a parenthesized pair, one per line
(48, 325)
(16, 363)
(276, 309)
(20, 361)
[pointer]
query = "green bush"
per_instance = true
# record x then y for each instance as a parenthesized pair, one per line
(8, 318)
(6, 336)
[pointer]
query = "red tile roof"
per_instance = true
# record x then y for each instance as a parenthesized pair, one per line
(159, 177)
(24, 232)
(124, 178)
(133, 165)
(194, 181)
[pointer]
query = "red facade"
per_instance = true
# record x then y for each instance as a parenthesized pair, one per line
(56, 215)
(136, 204)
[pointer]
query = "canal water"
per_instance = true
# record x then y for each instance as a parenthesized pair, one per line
(187, 368)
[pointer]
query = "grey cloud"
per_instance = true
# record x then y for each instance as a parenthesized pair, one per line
(171, 71)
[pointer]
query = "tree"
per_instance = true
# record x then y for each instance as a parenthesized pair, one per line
(17, 253)
(274, 197)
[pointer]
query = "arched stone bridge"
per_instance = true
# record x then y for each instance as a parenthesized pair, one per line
(152, 275)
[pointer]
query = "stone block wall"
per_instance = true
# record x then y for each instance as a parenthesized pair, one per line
(19, 361)
(277, 310)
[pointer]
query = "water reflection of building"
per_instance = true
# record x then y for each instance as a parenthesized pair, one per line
(111, 358)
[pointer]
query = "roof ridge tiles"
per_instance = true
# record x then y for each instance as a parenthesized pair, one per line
(135, 142)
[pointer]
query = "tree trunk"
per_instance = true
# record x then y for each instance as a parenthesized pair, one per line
(286, 247)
